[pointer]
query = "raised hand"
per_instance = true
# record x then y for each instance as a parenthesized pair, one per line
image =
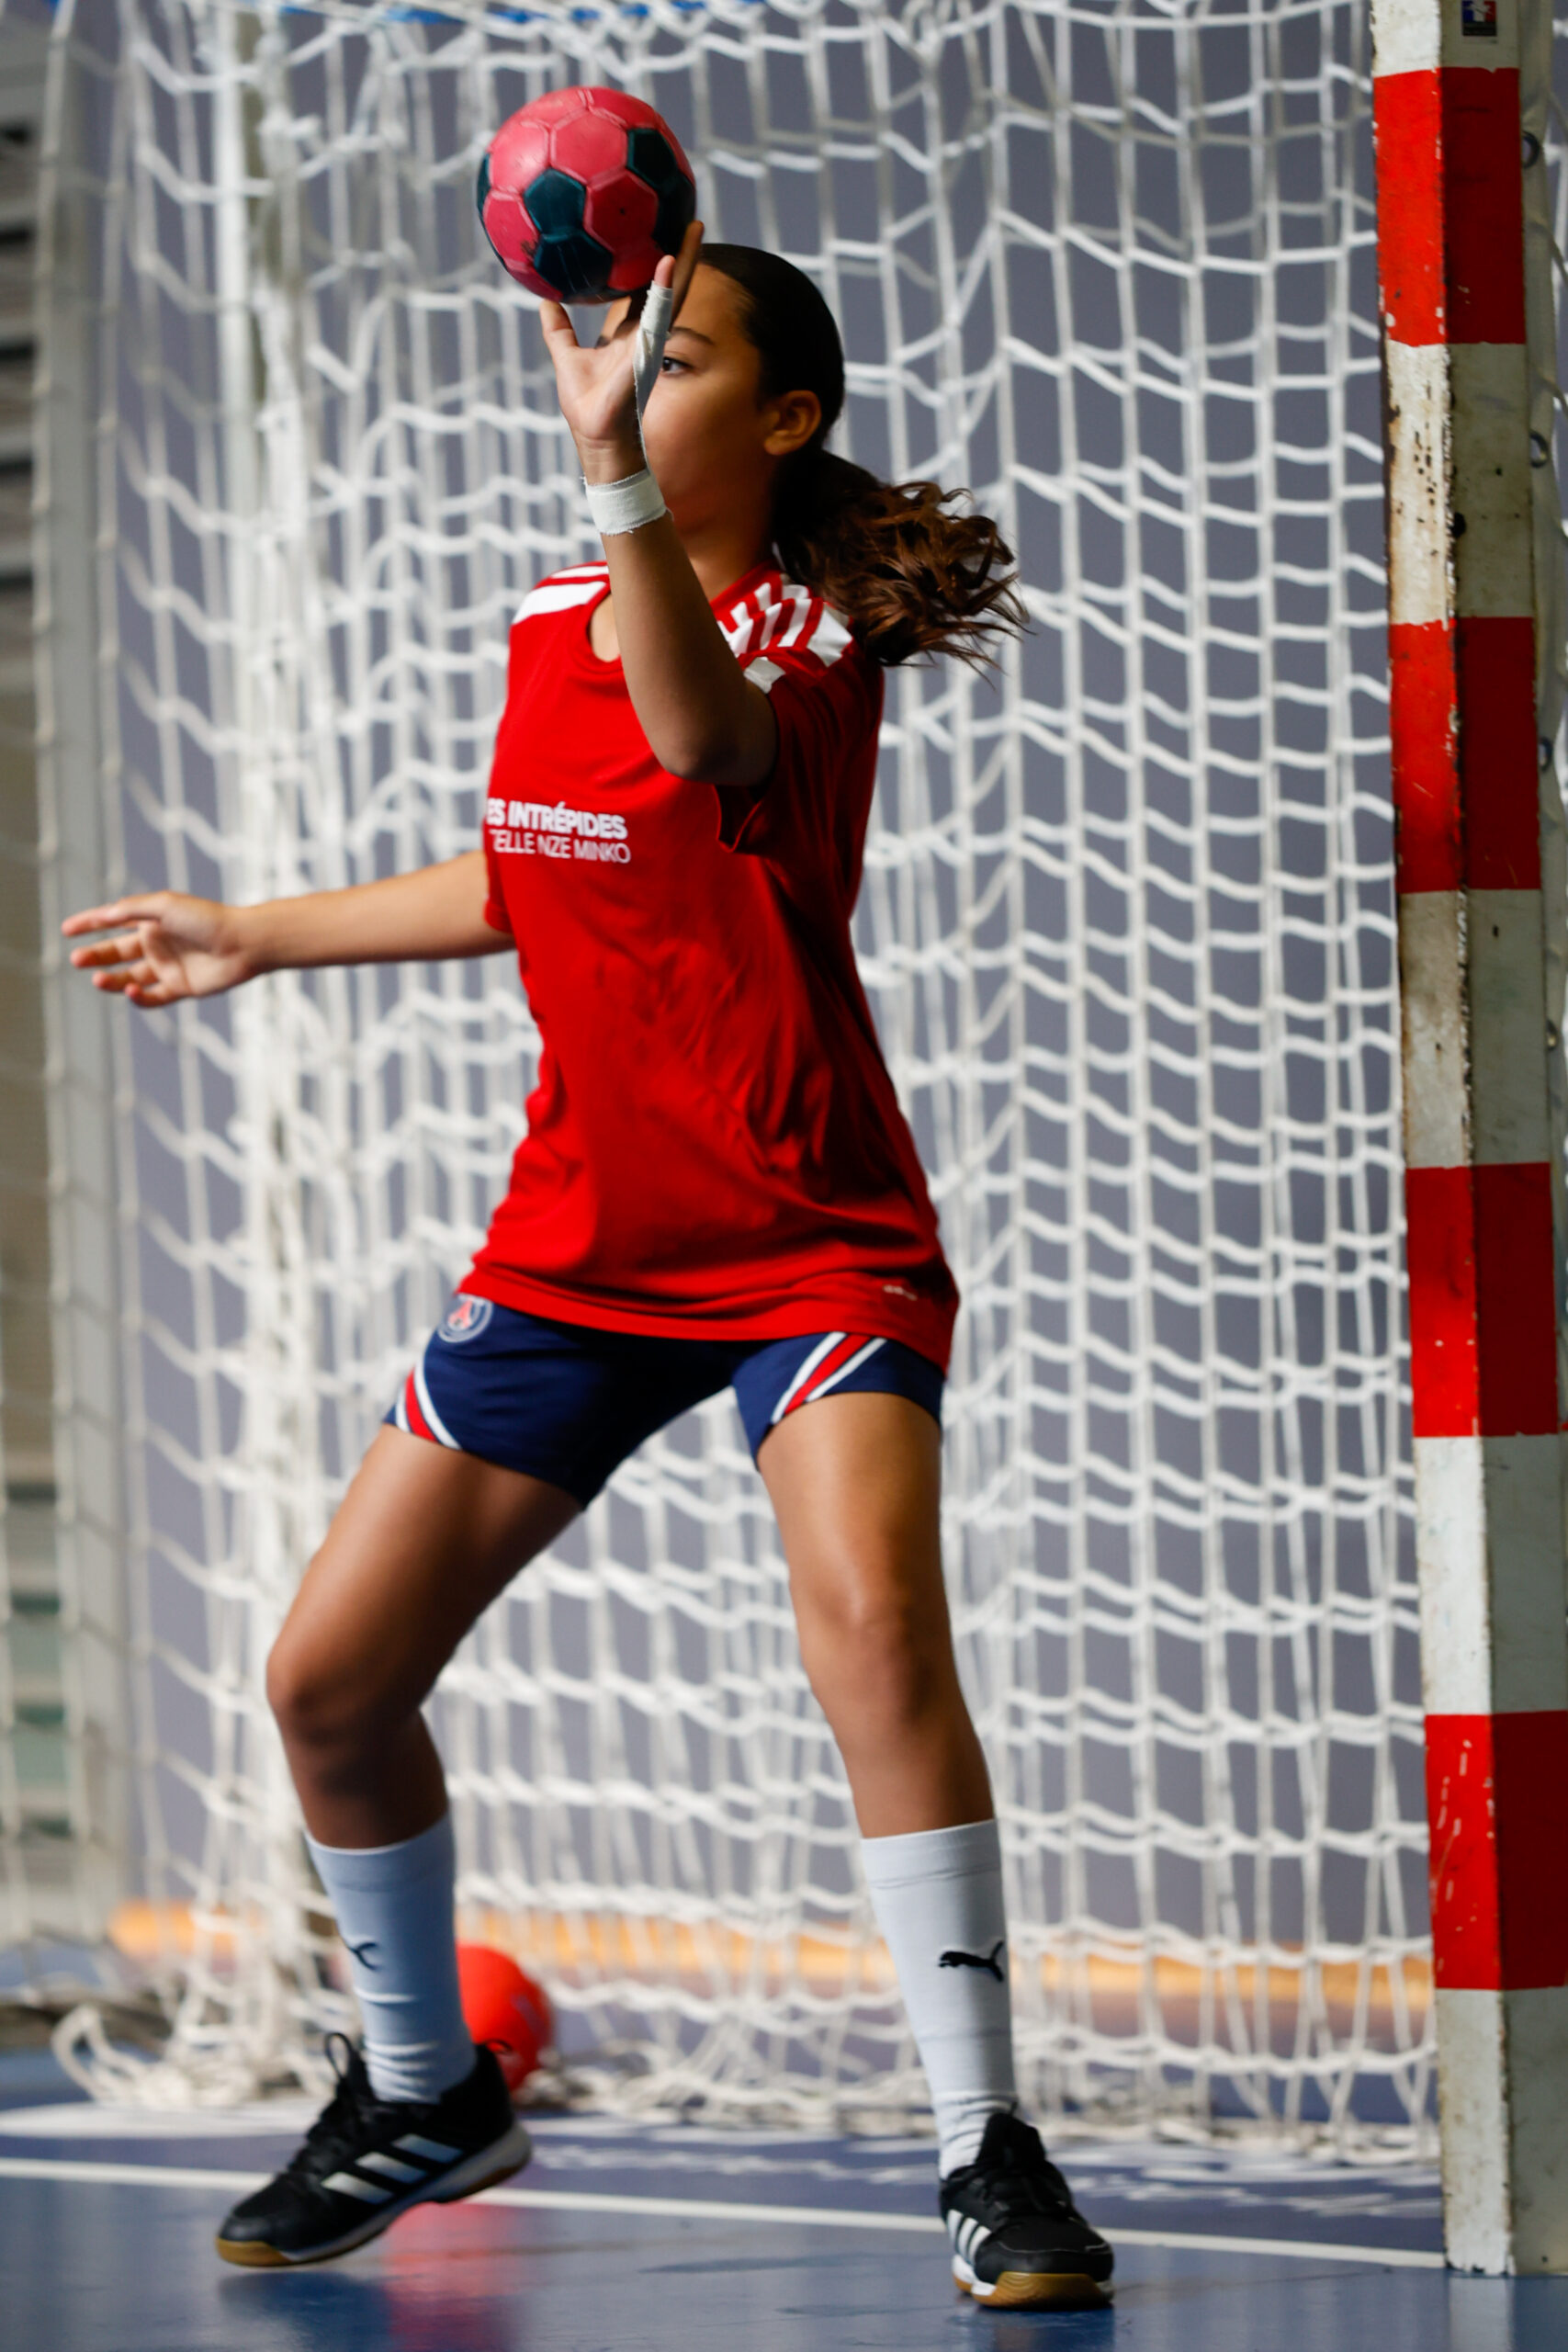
(596, 383)
(174, 947)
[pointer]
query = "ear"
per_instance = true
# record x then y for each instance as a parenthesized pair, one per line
(795, 418)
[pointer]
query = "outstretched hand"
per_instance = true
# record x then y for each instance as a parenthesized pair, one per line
(598, 394)
(175, 947)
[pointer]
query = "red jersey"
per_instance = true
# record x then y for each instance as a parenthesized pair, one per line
(715, 1150)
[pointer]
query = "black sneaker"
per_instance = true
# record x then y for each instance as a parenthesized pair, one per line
(1017, 2236)
(365, 2160)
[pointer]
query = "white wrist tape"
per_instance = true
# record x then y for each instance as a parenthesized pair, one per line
(625, 505)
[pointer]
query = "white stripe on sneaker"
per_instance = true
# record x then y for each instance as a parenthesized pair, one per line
(412, 2144)
(347, 2186)
(437, 1425)
(824, 1348)
(376, 2162)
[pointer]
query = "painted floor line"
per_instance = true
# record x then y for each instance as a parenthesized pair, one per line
(89, 2173)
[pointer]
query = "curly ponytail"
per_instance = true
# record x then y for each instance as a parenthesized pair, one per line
(908, 577)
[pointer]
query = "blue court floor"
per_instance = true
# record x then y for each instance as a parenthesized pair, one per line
(675, 2239)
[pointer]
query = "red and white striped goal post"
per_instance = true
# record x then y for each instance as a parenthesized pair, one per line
(1484, 1243)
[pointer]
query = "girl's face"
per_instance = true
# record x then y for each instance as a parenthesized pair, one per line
(712, 447)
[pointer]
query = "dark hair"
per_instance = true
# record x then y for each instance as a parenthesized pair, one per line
(908, 577)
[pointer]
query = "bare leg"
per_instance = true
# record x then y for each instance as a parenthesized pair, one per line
(857, 1482)
(424, 1538)
(423, 1542)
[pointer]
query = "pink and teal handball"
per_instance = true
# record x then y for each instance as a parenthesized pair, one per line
(584, 192)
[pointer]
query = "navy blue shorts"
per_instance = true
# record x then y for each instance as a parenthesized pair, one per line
(568, 1404)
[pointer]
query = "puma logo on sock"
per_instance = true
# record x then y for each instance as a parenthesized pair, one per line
(362, 1951)
(991, 1961)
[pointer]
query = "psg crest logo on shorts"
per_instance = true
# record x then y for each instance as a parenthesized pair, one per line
(465, 1319)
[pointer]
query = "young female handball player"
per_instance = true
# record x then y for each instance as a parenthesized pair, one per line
(716, 1186)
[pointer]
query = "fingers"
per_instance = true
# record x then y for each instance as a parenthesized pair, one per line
(122, 967)
(684, 266)
(144, 910)
(652, 327)
(138, 981)
(125, 949)
(558, 325)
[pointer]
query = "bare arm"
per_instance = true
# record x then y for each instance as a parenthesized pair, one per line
(168, 945)
(703, 719)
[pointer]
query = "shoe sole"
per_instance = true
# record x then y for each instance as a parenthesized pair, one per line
(498, 2162)
(1038, 2289)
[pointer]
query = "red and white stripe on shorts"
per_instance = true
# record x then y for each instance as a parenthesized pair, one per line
(830, 1362)
(416, 1414)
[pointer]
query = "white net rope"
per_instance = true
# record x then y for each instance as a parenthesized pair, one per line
(1127, 928)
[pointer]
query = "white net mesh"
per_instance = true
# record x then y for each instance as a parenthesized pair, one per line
(1127, 927)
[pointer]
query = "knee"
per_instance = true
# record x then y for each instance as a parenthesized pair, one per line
(320, 1706)
(874, 1657)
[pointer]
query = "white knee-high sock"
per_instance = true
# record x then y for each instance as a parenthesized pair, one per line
(937, 1895)
(393, 1905)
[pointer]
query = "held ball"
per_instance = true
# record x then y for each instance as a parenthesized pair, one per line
(584, 192)
(505, 2007)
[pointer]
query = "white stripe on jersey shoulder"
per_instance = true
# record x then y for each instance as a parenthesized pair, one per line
(563, 590)
(791, 618)
(808, 626)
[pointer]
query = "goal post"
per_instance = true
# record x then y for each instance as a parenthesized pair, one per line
(1461, 90)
